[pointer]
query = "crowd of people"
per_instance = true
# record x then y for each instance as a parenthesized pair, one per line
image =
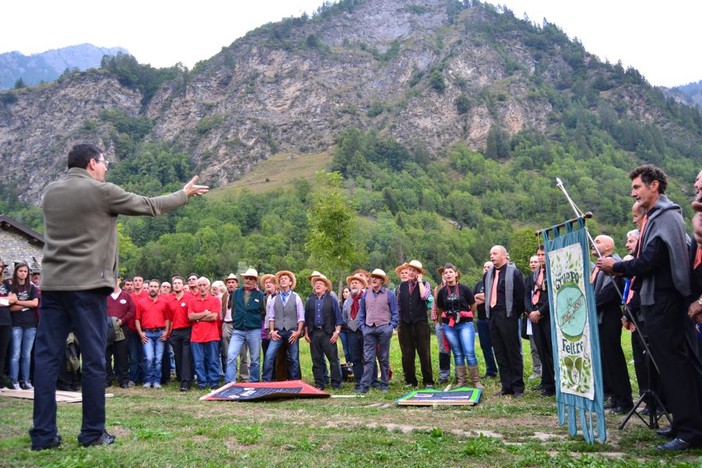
(223, 331)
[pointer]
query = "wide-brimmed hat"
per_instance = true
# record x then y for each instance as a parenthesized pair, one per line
(360, 271)
(262, 280)
(399, 268)
(359, 278)
(380, 274)
(417, 265)
(231, 276)
(250, 273)
(440, 271)
(323, 278)
(289, 274)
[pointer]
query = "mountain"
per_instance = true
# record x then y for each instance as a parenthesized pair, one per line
(430, 73)
(48, 66)
(448, 120)
(690, 93)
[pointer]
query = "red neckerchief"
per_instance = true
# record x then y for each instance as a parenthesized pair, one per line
(355, 305)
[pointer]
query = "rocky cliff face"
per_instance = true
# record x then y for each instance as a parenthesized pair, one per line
(294, 89)
(39, 125)
(426, 73)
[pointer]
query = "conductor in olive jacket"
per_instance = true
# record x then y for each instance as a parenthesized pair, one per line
(79, 272)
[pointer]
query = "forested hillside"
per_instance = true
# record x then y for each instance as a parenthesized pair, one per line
(451, 162)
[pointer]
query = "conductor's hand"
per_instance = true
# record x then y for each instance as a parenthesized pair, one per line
(192, 190)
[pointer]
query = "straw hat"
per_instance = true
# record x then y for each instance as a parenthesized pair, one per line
(323, 278)
(417, 265)
(361, 271)
(231, 276)
(250, 273)
(289, 274)
(262, 280)
(359, 278)
(399, 268)
(380, 274)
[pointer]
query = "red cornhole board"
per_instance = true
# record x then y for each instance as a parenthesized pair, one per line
(260, 391)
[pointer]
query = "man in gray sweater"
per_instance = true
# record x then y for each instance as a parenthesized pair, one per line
(79, 272)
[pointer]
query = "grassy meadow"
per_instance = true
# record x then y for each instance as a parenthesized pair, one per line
(165, 427)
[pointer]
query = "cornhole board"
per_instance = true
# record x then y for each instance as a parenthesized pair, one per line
(260, 391)
(61, 395)
(463, 396)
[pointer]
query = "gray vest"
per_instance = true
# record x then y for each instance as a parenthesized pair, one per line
(285, 315)
(509, 288)
(377, 308)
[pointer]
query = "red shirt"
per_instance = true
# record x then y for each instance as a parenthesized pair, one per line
(136, 298)
(179, 310)
(152, 314)
(204, 332)
(123, 307)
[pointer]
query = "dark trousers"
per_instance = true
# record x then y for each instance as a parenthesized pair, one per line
(670, 336)
(376, 345)
(416, 338)
(5, 334)
(119, 350)
(486, 346)
(166, 362)
(504, 333)
(319, 348)
(180, 341)
(354, 339)
(614, 368)
(86, 313)
(542, 338)
(136, 357)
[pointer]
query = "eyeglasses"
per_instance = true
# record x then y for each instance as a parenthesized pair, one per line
(104, 161)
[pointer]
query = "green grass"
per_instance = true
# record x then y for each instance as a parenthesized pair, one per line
(277, 172)
(169, 428)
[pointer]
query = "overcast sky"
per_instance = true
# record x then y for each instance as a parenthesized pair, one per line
(657, 38)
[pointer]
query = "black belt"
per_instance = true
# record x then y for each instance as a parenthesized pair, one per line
(317, 328)
(153, 329)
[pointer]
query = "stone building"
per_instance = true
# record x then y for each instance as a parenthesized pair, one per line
(19, 243)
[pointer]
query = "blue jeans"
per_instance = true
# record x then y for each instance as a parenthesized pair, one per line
(444, 352)
(22, 342)
(461, 337)
(355, 341)
(486, 347)
(293, 357)
(153, 354)
(62, 311)
(344, 337)
(207, 362)
(240, 337)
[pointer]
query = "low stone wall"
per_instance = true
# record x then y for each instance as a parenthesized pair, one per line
(15, 248)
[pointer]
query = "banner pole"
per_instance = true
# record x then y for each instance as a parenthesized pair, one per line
(627, 312)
